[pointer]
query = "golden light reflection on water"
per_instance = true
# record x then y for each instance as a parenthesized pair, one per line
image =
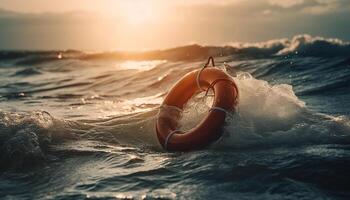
(109, 108)
(140, 65)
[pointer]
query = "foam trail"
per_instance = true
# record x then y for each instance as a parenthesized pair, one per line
(272, 115)
(269, 116)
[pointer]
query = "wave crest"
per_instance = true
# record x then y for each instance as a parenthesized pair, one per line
(22, 137)
(302, 45)
(299, 45)
(307, 45)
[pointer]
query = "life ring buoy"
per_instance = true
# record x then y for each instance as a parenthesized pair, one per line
(209, 129)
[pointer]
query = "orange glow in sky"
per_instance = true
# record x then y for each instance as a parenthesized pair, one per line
(140, 13)
(153, 24)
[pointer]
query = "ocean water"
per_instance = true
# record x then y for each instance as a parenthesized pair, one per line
(81, 125)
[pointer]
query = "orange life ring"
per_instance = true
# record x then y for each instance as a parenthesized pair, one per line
(209, 129)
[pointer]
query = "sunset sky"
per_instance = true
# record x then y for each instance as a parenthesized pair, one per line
(152, 24)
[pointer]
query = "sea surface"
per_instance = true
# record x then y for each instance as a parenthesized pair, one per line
(81, 125)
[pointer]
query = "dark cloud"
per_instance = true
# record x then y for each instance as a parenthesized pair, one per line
(49, 30)
(313, 7)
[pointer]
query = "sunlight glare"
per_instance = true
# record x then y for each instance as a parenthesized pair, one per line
(140, 65)
(139, 12)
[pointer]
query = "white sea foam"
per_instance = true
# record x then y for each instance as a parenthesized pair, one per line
(272, 115)
(268, 115)
(303, 45)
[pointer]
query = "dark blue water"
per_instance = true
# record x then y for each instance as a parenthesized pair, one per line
(76, 125)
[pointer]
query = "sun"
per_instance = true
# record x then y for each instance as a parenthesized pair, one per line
(139, 12)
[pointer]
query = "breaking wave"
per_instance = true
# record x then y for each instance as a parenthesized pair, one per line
(299, 45)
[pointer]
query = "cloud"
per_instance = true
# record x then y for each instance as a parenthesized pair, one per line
(312, 7)
(321, 7)
(286, 3)
(201, 2)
